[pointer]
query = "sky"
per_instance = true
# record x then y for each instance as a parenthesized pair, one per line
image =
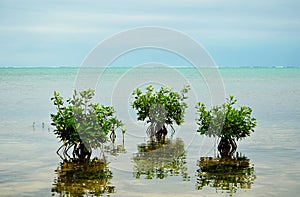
(234, 32)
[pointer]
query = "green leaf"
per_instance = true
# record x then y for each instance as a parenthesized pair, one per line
(232, 122)
(81, 117)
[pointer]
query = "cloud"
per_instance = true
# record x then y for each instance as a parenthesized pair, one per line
(213, 17)
(83, 24)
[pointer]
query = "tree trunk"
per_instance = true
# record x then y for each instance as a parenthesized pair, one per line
(161, 133)
(158, 130)
(82, 152)
(227, 147)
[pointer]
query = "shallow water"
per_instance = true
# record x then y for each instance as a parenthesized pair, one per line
(29, 165)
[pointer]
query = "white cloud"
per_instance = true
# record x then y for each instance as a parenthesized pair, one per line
(51, 29)
(85, 23)
(208, 16)
(210, 25)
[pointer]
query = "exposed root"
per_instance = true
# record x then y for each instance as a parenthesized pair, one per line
(157, 130)
(57, 152)
(113, 136)
(227, 147)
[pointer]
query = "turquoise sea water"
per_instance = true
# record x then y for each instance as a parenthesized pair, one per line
(29, 162)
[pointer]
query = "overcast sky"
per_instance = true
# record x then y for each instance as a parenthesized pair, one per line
(234, 32)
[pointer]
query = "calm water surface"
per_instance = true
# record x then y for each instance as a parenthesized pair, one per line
(268, 164)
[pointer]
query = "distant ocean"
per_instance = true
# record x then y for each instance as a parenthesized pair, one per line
(27, 146)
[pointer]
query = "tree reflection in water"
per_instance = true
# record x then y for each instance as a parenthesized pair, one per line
(86, 177)
(226, 174)
(83, 178)
(114, 149)
(160, 159)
